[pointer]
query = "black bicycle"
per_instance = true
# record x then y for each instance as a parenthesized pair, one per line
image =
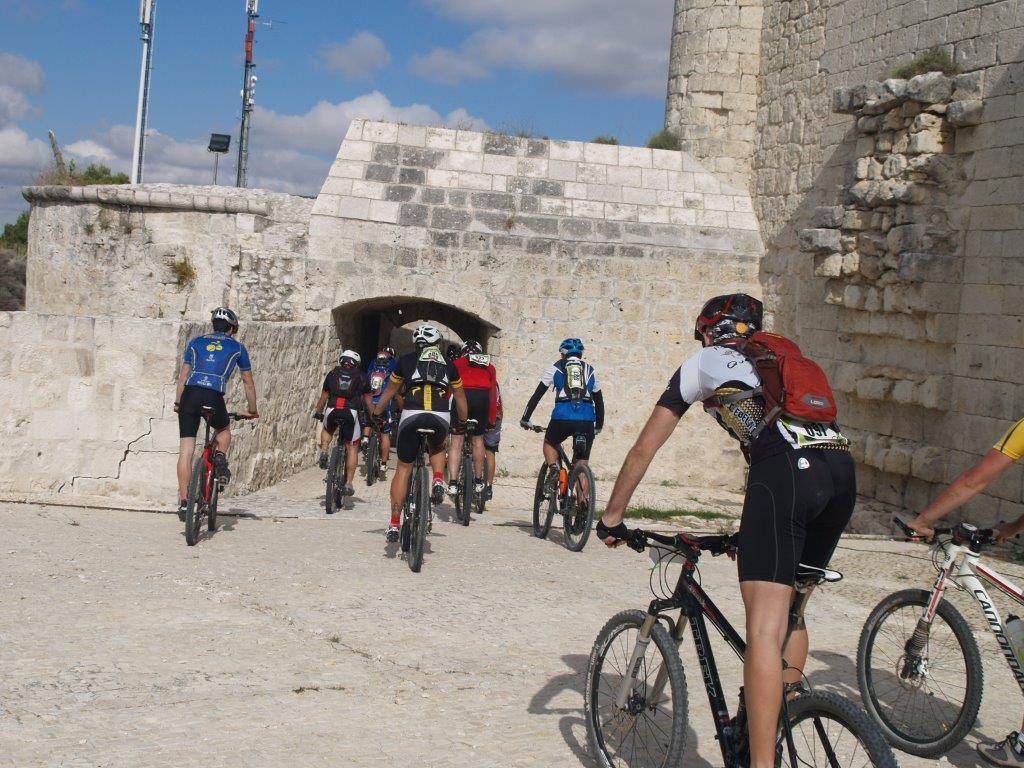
(373, 467)
(203, 488)
(466, 498)
(575, 496)
(635, 697)
(334, 481)
(417, 514)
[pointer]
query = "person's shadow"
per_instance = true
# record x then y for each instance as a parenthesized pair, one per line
(572, 724)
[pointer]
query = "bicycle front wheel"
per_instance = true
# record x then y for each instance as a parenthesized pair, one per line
(372, 458)
(420, 518)
(193, 507)
(650, 730)
(464, 498)
(927, 702)
(579, 508)
(833, 732)
(543, 509)
(211, 510)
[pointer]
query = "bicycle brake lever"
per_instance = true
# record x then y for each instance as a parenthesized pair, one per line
(636, 541)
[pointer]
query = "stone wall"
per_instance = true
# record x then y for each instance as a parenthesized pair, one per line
(713, 82)
(88, 406)
(957, 343)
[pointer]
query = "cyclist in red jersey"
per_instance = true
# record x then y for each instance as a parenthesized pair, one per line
(480, 383)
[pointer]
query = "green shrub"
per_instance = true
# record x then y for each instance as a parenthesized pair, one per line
(15, 235)
(934, 60)
(604, 139)
(664, 139)
(182, 269)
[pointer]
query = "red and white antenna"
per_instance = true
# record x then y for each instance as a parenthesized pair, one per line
(248, 91)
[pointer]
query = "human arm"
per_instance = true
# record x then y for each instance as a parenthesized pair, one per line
(386, 395)
(249, 384)
(970, 483)
(461, 405)
(492, 411)
(538, 393)
(599, 408)
(183, 375)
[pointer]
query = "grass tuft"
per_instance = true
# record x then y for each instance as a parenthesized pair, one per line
(182, 269)
(664, 139)
(604, 139)
(648, 513)
(934, 60)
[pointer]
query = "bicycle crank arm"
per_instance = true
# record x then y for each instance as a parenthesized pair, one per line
(636, 659)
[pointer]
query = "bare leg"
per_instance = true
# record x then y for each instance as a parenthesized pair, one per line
(437, 463)
(767, 610)
(385, 448)
(455, 457)
(223, 440)
(491, 466)
(186, 451)
(478, 456)
(325, 440)
(795, 653)
(550, 454)
(399, 490)
(351, 460)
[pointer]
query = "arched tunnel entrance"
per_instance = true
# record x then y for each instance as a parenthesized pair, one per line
(369, 324)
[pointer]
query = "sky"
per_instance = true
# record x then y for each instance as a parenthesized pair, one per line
(566, 69)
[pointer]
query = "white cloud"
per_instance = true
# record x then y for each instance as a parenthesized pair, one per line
(20, 73)
(357, 58)
(602, 45)
(20, 152)
(443, 65)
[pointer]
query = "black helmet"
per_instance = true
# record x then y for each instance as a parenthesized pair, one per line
(225, 314)
(735, 314)
(386, 353)
(472, 348)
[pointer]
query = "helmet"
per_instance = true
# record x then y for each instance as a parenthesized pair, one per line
(386, 352)
(351, 357)
(723, 317)
(225, 314)
(472, 348)
(571, 348)
(426, 335)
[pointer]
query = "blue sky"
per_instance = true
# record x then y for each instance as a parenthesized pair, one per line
(567, 69)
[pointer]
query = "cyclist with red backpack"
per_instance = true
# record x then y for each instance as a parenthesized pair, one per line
(340, 405)
(801, 486)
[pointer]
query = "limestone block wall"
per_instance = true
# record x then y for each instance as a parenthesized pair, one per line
(109, 250)
(959, 337)
(542, 240)
(88, 406)
(714, 68)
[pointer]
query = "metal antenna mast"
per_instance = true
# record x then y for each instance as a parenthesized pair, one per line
(147, 10)
(248, 92)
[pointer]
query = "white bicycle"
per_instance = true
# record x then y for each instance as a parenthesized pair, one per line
(918, 664)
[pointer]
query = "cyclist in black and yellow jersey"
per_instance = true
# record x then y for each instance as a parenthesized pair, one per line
(999, 458)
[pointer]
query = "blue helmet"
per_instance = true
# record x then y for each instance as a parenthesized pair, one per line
(571, 348)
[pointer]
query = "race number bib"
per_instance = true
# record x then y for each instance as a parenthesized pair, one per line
(802, 434)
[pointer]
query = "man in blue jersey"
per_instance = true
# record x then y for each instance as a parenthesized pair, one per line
(377, 376)
(208, 364)
(579, 405)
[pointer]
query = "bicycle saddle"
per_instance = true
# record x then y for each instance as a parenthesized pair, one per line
(808, 574)
(426, 430)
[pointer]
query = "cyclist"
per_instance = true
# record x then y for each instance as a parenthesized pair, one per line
(378, 375)
(800, 494)
(998, 459)
(426, 380)
(208, 363)
(492, 442)
(342, 394)
(479, 382)
(579, 405)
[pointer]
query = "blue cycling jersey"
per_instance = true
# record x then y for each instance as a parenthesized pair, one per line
(566, 408)
(378, 376)
(213, 358)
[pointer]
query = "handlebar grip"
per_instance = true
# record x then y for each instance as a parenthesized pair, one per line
(907, 530)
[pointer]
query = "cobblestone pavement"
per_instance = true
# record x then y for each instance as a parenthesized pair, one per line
(307, 642)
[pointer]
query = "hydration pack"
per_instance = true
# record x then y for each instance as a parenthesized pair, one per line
(791, 384)
(431, 368)
(378, 380)
(576, 379)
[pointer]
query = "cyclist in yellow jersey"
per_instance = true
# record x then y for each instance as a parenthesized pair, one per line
(1009, 449)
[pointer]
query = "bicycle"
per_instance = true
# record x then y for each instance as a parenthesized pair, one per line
(417, 515)
(575, 496)
(466, 497)
(203, 489)
(918, 646)
(334, 480)
(635, 704)
(372, 465)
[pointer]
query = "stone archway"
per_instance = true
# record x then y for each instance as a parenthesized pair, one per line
(367, 324)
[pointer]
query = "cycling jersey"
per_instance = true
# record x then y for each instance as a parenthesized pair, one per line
(427, 380)
(213, 359)
(721, 371)
(345, 387)
(477, 373)
(377, 376)
(566, 408)
(1012, 443)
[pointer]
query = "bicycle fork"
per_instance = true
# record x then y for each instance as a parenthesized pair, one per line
(636, 660)
(913, 665)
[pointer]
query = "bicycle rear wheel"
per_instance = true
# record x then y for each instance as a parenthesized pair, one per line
(646, 733)
(925, 704)
(578, 518)
(372, 458)
(211, 510)
(464, 498)
(481, 500)
(543, 509)
(332, 496)
(420, 518)
(193, 507)
(831, 731)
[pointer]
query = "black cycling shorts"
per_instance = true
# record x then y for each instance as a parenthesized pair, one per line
(193, 399)
(797, 505)
(347, 419)
(407, 443)
(479, 408)
(559, 430)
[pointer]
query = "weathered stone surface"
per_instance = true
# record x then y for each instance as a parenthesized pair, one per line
(819, 240)
(930, 88)
(962, 113)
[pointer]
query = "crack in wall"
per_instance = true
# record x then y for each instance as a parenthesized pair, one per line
(120, 463)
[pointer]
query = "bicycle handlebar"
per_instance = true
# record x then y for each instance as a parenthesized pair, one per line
(718, 544)
(962, 533)
(241, 417)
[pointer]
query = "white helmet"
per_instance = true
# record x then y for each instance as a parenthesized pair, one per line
(426, 335)
(352, 356)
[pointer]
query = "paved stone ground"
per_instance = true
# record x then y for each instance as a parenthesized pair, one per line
(307, 642)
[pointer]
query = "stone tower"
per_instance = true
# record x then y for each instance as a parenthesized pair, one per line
(712, 84)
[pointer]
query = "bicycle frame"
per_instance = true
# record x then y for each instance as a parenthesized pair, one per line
(209, 443)
(966, 576)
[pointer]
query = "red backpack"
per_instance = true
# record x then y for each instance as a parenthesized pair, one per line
(791, 384)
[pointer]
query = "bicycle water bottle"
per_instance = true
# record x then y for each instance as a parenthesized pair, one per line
(1015, 635)
(563, 480)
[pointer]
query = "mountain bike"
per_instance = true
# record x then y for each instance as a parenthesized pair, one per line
(372, 465)
(334, 480)
(417, 515)
(575, 496)
(203, 488)
(918, 663)
(635, 702)
(467, 499)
